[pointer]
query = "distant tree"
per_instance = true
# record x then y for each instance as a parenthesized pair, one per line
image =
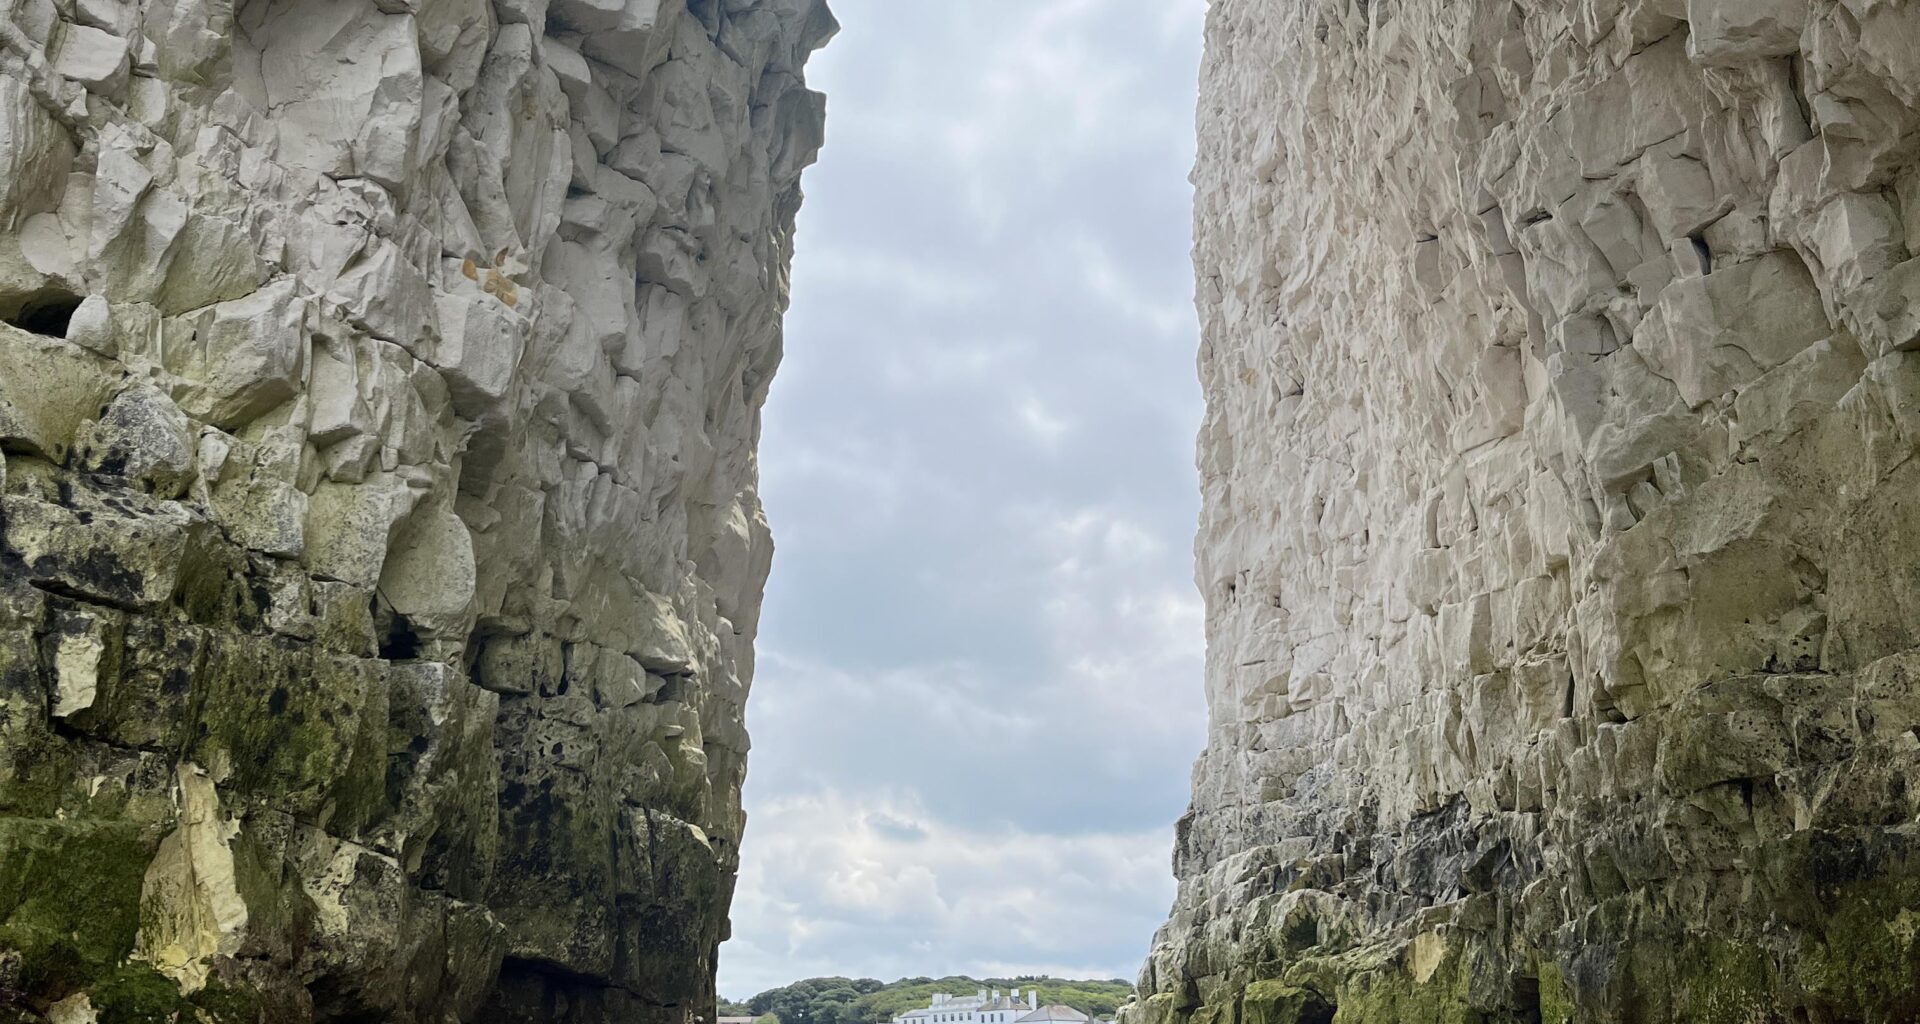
(870, 1001)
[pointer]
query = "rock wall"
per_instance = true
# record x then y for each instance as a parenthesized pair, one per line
(380, 555)
(1561, 544)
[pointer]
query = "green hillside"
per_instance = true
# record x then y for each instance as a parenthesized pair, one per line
(870, 1001)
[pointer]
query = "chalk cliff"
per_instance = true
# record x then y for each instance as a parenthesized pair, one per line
(1561, 543)
(380, 554)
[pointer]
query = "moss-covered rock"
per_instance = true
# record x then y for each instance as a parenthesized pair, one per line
(1275, 1002)
(1697, 977)
(136, 994)
(1422, 980)
(69, 899)
(1863, 958)
(124, 550)
(1556, 1004)
(289, 727)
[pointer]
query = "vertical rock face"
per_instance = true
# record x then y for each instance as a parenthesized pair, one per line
(1562, 540)
(380, 555)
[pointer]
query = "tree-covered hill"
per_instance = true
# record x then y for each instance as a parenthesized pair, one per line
(870, 1001)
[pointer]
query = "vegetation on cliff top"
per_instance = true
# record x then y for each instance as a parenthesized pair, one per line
(870, 1001)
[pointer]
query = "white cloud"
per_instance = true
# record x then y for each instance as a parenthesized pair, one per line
(930, 817)
(979, 688)
(924, 283)
(1128, 631)
(1045, 425)
(922, 364)
(1091, 536)
(866, 473)
(942, 898)
(1109, 283)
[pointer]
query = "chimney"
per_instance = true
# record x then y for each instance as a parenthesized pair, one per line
(1033, 999)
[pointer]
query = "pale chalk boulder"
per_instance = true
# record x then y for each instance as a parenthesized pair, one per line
(248, 356)
(479, 350)
(50, 388)
(1715, 333)
(1735, 31)
(429, 576)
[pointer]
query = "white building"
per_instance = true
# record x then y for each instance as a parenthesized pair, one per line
(984, 1007)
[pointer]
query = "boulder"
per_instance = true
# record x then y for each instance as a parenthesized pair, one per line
(248, 356)
(48, 388)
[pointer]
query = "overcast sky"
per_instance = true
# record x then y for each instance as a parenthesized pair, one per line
(979, 692)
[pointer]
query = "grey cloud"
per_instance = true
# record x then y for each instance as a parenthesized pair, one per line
(981, 627)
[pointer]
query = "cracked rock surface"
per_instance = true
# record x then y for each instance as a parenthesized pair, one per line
(1561, 543)
(380, 551)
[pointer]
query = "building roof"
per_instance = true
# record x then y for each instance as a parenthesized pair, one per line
(1053, 1013)
(983, 1002)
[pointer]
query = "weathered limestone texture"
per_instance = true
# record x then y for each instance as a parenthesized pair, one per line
(380, 553)
(1562, 532)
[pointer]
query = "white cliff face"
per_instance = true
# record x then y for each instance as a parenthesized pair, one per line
(380, 551)
(1563, 363)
